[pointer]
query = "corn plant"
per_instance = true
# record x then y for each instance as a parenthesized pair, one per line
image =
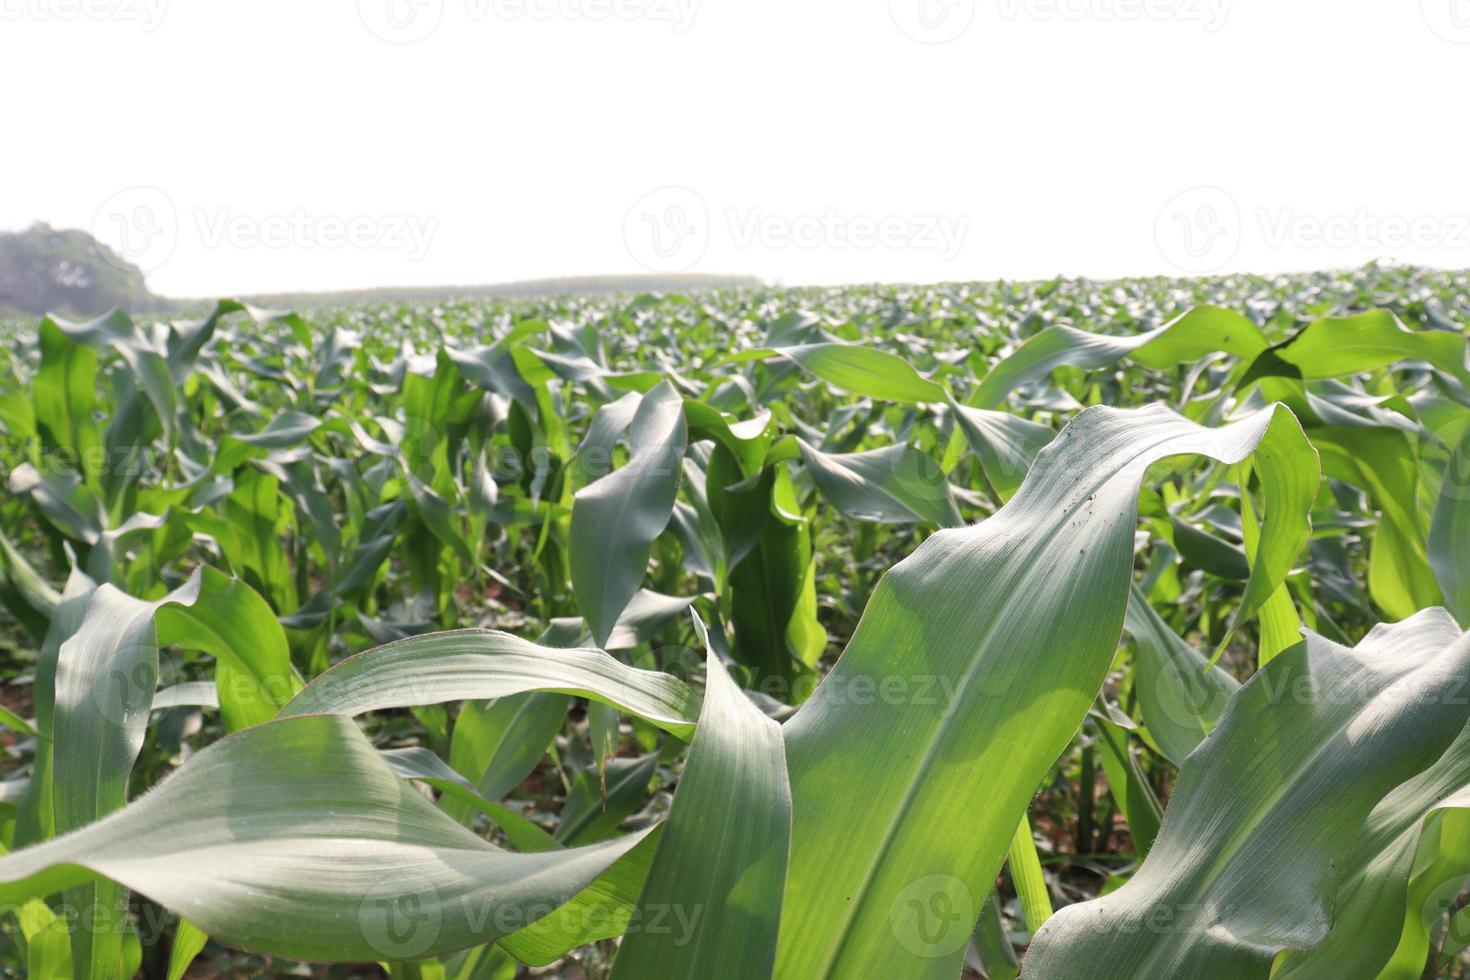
(1074, 629)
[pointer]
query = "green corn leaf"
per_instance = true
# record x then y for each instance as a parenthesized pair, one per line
(48, 949)
(644, 615)
(497, 744)
(602, 910)
(1215, 555)
(237, 843)
(228, 620)
(770, 557)
(253, 515)
(1280, 624)
(148, 365)
(1180, 693)
(603, 731)
(481, 963)
(64, 393)
(997, 959)
(746, 440)
(1382, 461)
(1129, 785)
(105, 677)
(423, 766)
(65, 500)
(1434, 934)
(9, 719)
(1333, 347)
(1198, 333)
(439, 517)
(1268, 810)
(893, 484)
(603, 797)
(946, 704)
(38, 596)
(190, 694)
(1449, 554)
(707, 908)
(739, 502)
(106, 674)
(866, 371)
(36, 817)
(616, 518)
(1004, 443)
(479, 664)
(1374, 894)
(189, 942)
(594, 456)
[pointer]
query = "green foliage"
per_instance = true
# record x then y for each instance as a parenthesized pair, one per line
(1094, 626)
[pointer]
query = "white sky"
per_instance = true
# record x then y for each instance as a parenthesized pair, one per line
(280, 145)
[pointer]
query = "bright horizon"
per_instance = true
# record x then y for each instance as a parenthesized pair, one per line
(468, 142)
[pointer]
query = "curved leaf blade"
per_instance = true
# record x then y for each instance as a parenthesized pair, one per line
(893, 484)
(993, 642)
(1266, 809)
(294, 838)
(615, 519)
(478, 664)
(721, 864)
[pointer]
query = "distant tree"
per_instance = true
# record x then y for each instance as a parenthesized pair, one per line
(66, 271)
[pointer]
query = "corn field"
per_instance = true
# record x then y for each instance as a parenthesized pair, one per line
(1063, 629)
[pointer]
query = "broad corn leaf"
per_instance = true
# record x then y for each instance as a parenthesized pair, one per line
(1268, 809)
(294, 838)
(478, 664)
(616, 519)
(722, 856)
(1001, 633)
